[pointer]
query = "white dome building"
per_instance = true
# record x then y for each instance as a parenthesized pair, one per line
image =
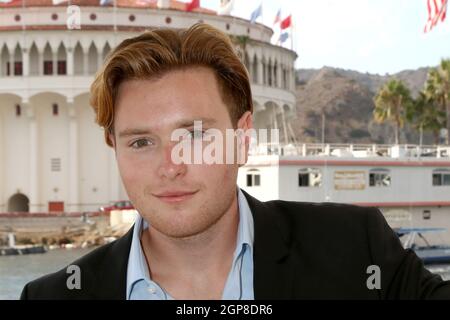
(52, 153)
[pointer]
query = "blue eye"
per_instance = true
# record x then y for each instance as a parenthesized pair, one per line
(141, 143)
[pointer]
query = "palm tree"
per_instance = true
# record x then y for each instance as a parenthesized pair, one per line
(391, 103)
(426, 115)
(438, 86)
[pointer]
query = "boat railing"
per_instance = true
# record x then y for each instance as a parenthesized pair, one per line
(352, 150)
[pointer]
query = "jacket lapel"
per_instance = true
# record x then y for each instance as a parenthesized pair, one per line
(112, 274)
(272, 259)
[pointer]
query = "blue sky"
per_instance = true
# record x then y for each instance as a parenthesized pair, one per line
(375, 36)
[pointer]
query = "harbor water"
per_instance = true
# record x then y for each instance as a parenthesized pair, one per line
(18, 270)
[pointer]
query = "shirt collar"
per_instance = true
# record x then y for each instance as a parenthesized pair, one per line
(245, 235)
(137, 265)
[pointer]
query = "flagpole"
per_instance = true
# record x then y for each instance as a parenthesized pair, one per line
(292, 33)
(23, 43)
(23, 25)
(115, 22)
(295, 39)
(23, 11)
(115, 16)
(262, 18)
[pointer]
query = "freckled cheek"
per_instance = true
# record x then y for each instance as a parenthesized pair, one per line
(214, 172)
(135, 171)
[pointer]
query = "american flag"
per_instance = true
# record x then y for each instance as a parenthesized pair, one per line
(436, 11)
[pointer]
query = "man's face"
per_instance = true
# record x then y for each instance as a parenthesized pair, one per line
(178, 200)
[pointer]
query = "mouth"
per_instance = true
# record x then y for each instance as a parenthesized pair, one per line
(175, 196)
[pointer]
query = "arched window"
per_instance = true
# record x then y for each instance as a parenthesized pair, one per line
(106, 51)
(264, 75)
(269, 73)
(18, 203)
(247, 62)
(34, 60)
(48, 60)
(92, 59)
(379, 177)
(18, 61)
(275, 74)
(255, 69)
(309, 177)
(4, 59)
(78, 59)
(62, 64)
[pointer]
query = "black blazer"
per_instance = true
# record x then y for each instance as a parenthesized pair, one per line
(301, 251)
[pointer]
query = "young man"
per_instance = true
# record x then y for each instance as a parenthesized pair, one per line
(198, 235)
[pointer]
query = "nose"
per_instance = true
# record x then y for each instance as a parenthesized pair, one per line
(168, 168)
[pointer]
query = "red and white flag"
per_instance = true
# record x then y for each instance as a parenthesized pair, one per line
(192, 5)
(437, 10)
(286, 23)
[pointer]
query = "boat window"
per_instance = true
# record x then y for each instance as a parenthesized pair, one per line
(253, 178)
(309, 177)
(441, 177)
(379, 178)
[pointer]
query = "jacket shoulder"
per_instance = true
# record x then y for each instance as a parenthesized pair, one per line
(64, 283)
(326, 214)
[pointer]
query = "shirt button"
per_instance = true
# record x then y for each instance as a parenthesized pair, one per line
(152, 290)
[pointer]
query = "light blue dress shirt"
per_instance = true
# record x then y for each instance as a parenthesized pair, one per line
(239, 284)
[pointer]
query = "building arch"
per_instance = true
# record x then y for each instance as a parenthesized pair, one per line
(92, 58)
(264, 70)
(269, 73)
(4, 58)
(61, 64)
(78, 59)
(48, 60)
(106, 50)
(33, 60)
(16, 68)
(247, 62)
(18, 203)
(255, 69)
(275, 73)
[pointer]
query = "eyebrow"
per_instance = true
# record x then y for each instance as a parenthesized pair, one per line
(180, 124)
(190, 123)
(134, 132)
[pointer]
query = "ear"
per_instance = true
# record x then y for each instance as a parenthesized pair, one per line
(245, 123)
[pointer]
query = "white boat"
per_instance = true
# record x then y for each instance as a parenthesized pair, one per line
(409, 183)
